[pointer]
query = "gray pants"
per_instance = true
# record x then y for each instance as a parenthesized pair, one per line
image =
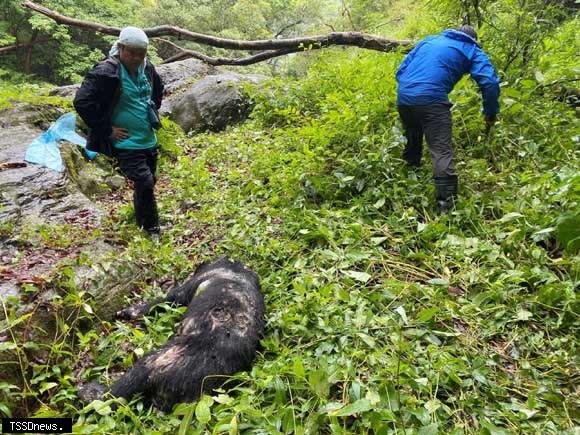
(434, 122)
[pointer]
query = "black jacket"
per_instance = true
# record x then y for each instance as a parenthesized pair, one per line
(98, 96)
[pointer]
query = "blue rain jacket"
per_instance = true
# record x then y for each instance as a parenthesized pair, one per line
(437, 63)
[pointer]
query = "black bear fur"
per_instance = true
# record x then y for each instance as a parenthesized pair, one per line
(217, 337)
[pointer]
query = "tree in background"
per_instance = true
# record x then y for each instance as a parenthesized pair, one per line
(33, 44)
(513, 30)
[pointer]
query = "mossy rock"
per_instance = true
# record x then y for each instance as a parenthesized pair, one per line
(39, 115)
(93, 178)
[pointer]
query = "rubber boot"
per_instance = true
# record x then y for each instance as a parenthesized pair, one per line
(446, 192)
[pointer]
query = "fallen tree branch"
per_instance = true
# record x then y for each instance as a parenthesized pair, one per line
(269, 47)
(185, 53)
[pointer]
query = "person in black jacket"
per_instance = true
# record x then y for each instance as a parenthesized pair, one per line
(119, 101)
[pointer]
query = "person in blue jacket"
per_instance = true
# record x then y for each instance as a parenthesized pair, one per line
(425, 78)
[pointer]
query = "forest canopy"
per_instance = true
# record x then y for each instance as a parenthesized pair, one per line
(31, 43)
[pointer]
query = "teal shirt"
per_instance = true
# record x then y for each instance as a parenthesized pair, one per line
(131, 112)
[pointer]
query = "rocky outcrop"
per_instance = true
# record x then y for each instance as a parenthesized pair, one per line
(212, 103)
(35, 204)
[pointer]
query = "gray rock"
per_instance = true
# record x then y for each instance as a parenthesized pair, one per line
(115, 182)
(29, 115)
(90, 178)
(32, 195)
(212, 103)
(182, 74)
(65, 91)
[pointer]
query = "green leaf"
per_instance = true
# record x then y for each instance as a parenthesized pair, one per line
(224, 399)
(234, 425)
(47, 386)
(523, 315)
(8, 345)
(493, 429)
(4, 410)
(438, 281)
(88, 308)
(298, 367)
(202, 410)
(318, 381)
(370, 341)
(187, 410)
(432, 429)
(511, 216)
(568, 232)
(539, 76)
(432, 406)
(544, 231)
(101, 408)
(427, 314)
(358, 407)
(378, 240)
(373, 397)
(379, 203)
(401, 311)
(358, 276)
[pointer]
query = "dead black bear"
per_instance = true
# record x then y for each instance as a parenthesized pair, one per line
(218, 336)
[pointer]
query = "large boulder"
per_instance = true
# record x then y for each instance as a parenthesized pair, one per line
(182, 74)
(212, 103)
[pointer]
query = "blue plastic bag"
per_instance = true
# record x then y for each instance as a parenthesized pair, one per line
(44, 149)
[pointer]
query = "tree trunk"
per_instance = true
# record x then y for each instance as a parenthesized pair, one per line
(28, 56)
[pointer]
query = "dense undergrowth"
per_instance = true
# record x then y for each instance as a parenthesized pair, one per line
(382, 316)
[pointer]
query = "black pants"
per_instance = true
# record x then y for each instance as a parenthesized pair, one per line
(140, 167)
(434, 122)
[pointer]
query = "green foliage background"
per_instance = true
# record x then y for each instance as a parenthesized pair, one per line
(382, 317)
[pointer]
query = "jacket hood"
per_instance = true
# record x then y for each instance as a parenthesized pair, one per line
(459, 36)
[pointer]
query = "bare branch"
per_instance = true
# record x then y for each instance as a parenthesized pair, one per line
(346, 11)
(8, 48)
(242, 61)
(357, 39)
(185, 53)
(330, 26)
(283, 29)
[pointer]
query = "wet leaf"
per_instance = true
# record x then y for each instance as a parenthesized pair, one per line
(360, 406)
